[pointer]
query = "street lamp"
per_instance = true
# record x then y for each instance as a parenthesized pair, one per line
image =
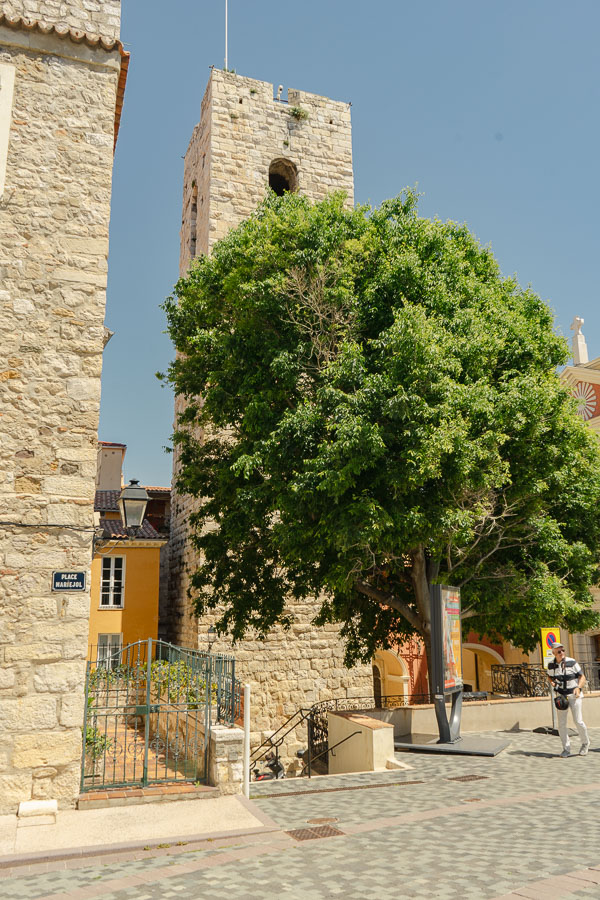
(132, 504)
(212, 635)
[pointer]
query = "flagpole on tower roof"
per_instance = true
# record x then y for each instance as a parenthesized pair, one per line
(226, 23)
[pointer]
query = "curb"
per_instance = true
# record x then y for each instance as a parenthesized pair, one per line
(18, 860)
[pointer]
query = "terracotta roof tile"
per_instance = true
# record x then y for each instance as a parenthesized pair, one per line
(107, 500)
(95, 41)
(113, 528)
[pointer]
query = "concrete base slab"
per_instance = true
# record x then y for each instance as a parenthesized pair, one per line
(470, 745)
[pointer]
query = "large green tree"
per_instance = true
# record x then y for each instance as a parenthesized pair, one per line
(373, 407)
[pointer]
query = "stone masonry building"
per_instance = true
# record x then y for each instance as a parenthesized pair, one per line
(62, 77)
(247, 140)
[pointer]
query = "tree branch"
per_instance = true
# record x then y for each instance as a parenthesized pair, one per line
(386, 599)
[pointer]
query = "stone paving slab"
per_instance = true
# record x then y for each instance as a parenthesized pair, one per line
(94, 830)
(494, 837)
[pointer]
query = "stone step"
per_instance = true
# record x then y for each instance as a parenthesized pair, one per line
(156, 793)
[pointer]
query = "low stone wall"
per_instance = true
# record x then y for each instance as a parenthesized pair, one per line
(222, 765)
(368, 742)
(506, 714)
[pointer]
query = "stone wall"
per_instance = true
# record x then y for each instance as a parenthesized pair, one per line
(226, 174)
(101, 17)
(54, 220)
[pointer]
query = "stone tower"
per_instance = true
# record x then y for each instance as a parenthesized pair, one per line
(62, 77)
(246, 141)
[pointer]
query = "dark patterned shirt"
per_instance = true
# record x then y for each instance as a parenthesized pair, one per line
(565, 674)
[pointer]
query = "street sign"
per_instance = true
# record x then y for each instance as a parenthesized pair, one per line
(68, 581)
(549, 636)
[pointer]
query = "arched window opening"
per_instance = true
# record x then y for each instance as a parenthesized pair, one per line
(193, 221)
(377, 687)
(283, 176)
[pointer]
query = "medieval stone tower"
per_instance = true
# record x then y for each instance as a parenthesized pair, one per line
(245, 142)
(62, 76)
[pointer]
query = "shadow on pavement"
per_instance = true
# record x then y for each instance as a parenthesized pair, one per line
(533, 753)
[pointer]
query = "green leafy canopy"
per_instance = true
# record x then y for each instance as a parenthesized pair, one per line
(380, 409)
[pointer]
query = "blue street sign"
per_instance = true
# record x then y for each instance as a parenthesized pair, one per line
(68, 581)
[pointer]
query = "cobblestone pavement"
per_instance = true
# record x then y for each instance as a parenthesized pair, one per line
(524, 824)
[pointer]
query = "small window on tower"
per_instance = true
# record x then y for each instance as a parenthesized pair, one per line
(193, 222)
(283, 176)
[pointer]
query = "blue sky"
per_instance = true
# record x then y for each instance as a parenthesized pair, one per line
(490, 107)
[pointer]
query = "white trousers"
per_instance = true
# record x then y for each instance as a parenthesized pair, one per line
(575, 704)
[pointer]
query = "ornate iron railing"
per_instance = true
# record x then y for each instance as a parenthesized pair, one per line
(522, 680)
(318, 726)
(591, 670)
(149, 709)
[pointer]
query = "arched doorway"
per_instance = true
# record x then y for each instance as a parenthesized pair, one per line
(377, 686)
(477, 666)
(393, 679)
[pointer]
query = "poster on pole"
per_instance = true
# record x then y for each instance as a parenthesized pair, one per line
(452, 639)
(549, 636)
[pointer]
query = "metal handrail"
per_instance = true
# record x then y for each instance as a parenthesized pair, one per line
(269, 743)
(311, 760)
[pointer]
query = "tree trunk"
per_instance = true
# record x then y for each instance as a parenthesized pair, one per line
(427, 643)
(420, 577)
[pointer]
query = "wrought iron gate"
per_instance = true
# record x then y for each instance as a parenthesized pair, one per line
(149, 708)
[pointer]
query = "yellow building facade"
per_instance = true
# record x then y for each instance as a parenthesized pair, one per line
(126, 566)
(124, 595)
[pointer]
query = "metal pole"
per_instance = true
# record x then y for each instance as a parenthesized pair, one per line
(309, 730)
(147, 722)
(247, 741)
(226, 36)
(85, 722)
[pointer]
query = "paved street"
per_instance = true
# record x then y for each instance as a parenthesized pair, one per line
(501, 829)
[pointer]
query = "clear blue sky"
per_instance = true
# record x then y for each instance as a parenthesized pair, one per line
(491, 107)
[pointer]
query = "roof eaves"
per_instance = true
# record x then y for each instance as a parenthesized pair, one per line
(95, 41)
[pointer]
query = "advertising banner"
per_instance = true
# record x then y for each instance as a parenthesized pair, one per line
(452, 640)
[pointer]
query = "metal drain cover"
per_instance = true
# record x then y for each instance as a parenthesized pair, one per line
(325, 821)
(310, 834)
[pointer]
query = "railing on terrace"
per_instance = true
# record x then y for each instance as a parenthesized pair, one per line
(531, 679)
(183, 667)
(521, 680)
(317, 724)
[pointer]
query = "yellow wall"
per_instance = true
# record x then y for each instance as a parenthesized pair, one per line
(395, 680)
(485, 661)
(138, 619)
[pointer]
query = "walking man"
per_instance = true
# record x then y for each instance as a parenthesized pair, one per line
(567, 678)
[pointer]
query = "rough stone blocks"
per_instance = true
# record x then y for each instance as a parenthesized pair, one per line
(53, 258)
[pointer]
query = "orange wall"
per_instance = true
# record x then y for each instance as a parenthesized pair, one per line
(138, 619)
